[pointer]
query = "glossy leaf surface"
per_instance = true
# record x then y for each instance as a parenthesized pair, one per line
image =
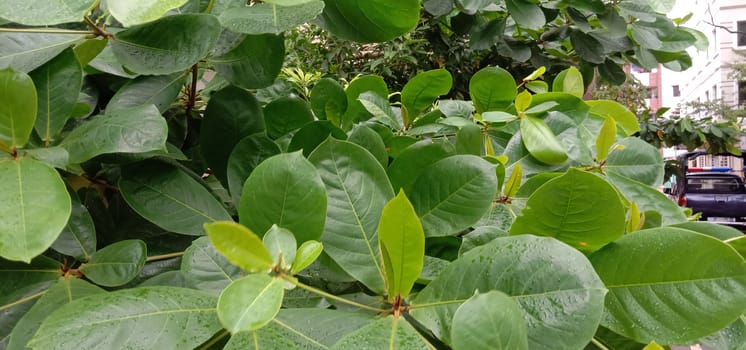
(250, 303)
(245, 157)
(491, 89)
(402, 242)
(492, 320)
(17, 107)
(136, 12)
(58, 84)
(253, 63)
(421, 91)
(240, 246)
(383, 333)
(370, 21)
(206, 269)
(116, 264)
(268, 18)
(78, 238)
(28, 51)
(43, 13)
(541, 142)
(159, 90)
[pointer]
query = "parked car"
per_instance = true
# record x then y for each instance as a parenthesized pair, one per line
(718, 196)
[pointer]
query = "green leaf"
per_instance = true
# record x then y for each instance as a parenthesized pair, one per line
(356, 112)
(135, 130)
(313, 134)
(28, 51)
(328, 100)
(169, 197)
(307, 253)
(541, 142)
(58, 84)
(453, 194)
(555, 285)
(514, 181)
(268, 18)
(605, 139)
(526, 14)
(648, 198)
(479, 237)
(135, 12)
(206, 269)
(42, 13)
(587, 47)
(625, 119)
(652, 299)
(569, 81)
(285, 115)
(469, 140)
(231, 115)
(420, 92)
(383, 333)
(34, 208)
(250, 303)
(167, 45)
(402, 243)
(240, 245)
(254, 62)
(183, 318)
(357, 190)
(379, 109)
(577, 208)
(489, 320)
(78, 238)
(413, 161)
(159, 90)
(732, 337)
(612, 72)
(285, 190)
(498, 117)
(522, 101)
(370, 21)
(720, 232)
(245, 157)
(739, 244)
(638, 160)
(116, 264)
(64, 291)
(281, 245)
(312, 329)
(18, 107)
(492, 88)
(369, 139)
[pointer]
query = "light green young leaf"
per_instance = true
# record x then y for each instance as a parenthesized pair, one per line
(535, 74)
(250, 303)
(541, 142)
(514, 181)
(625, 119)
(569, 81)
(605, 139)
(18, 106)
(652, 299)
(242, 247)
(116, 264)
(175, 318)
(281, 245)
(523, 101)
(34, 208)
(307, 253)
(402, 242)
(133, 12)
(489, 320)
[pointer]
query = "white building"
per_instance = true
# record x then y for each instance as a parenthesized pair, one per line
(724, 24)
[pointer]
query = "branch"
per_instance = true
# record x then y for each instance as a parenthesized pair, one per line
(712, 23)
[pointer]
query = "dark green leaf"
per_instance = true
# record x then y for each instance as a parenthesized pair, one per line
(637, 160)
(413, 161)
(58, 84)
(167, 45)
(370, 140)
(18, 106)
(328, 100)
(285, 115)
(250, 303)
(183, 318)
(28, 51)
(489, 320)
(479, 237)
(160, 90)
(34, 208)
(206, 269)
(253, 63)
(78, 238)
(526, 14)
(269, 18)
(285, 190)
(356, 112)
(421, 91)
(370, 21)
(469, 140)
(313, 134)
(648, 198)
(116, 264)
(492, 88)
(170, 198)
(244, 158)
(653, 298)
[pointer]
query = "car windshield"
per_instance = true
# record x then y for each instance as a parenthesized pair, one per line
(712, 185)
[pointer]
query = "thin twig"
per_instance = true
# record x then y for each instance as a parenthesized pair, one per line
(48, 31)
(331, 296)
(192, 93)
(164, 256)
(96, 29)
(22, 300)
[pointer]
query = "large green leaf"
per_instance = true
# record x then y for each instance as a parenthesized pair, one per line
(356, 112)
(245, 157)
(384, 333)
(569, 81)
(578, 208)
(625, 119)
(328, 100)
(137, 318)
(27, 51)
(58, 84)
(370, 21)
(116, 264)
(526, 14)
(402, 243)
(492, 89)
(64, 291)
(490, 320)
(555, 285)
(253, 63)
(134, 130)
(78, 238)
(269, 18)
(413, 161)
(285, 190)
(682, 285)
(34, 208)
(48, 12)
(421, 91)
(167, 45)
(206, 269)
(721, 232)
(133, 12)
(159, 90)
(453, 194)
(648, 198)
(285, 115)
(313, 134)
(637, 160)
(732, 337)
(357, 190)
(170, 198)
(311, 329)
(369, 139)
(587, 47)
(250, 302)
(541, 142)
(232, 114)
(17, 108)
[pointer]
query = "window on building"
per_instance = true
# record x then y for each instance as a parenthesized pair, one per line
(724, 161)
(741, 33)
(652, 92)
(676, 91)
(715, 92)
(707, 95)
(742, 93)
